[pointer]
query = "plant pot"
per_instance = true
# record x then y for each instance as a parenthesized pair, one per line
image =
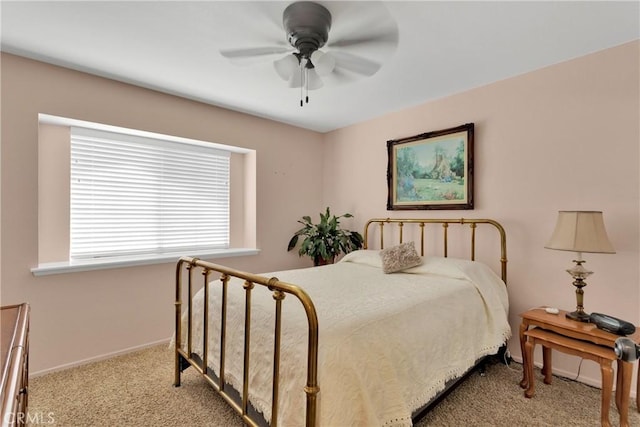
(318, 261)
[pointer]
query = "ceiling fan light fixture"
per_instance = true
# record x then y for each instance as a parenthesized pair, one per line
(287, 66)
(324, 63)
(313, 80)
(297, 78)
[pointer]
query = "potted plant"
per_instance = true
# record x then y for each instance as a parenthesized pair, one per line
(325, 240)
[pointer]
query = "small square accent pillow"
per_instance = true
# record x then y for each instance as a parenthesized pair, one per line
(397, 258)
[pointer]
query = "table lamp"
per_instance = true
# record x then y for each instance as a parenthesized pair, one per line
(580, 231)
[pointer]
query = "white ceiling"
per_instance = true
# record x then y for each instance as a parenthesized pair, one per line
(443, 48)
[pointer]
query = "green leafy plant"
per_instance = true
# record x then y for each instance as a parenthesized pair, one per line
(325, 240)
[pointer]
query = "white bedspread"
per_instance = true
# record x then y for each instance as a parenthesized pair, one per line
(388, 342)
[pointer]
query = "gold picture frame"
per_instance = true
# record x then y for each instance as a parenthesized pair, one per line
(433, 170)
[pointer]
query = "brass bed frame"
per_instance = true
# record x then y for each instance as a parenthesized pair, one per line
(239, 400)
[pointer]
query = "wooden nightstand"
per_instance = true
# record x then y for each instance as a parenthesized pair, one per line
(555, 331)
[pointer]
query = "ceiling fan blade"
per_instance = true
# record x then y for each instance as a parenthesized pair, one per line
(362, 24)
(253, 51)
(339, 77)
(387, 37)
(355, 63)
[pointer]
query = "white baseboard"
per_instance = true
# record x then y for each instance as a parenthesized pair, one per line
(593, 382)
(98, 358)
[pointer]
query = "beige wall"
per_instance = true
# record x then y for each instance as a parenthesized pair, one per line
(78, 316)
(565, 137)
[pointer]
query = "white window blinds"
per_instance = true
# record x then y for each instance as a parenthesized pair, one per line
(134, 196)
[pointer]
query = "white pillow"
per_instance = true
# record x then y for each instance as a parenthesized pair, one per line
(369, 257)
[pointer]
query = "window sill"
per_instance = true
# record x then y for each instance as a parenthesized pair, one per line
(46, 269)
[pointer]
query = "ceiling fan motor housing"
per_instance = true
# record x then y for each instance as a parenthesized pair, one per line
(307, 25)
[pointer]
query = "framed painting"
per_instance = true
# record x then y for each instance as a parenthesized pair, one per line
(433, 170)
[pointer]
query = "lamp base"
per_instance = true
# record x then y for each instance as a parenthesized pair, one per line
(579, 316)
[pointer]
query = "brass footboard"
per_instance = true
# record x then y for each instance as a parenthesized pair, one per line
(280, 290)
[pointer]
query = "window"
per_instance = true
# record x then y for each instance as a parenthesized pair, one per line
(133, 195)
(139, 197)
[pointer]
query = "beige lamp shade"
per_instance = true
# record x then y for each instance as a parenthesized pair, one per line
(580, 231)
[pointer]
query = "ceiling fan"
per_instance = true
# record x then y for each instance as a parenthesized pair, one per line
(307, 25)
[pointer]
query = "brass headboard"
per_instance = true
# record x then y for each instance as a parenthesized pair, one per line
(473, 223)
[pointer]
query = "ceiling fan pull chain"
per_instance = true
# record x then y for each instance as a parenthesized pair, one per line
(301, 79)
(306, 82)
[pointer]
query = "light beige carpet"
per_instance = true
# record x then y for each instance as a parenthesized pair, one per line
(136, 390)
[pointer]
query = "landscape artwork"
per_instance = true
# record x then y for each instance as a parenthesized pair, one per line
(433, 170)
